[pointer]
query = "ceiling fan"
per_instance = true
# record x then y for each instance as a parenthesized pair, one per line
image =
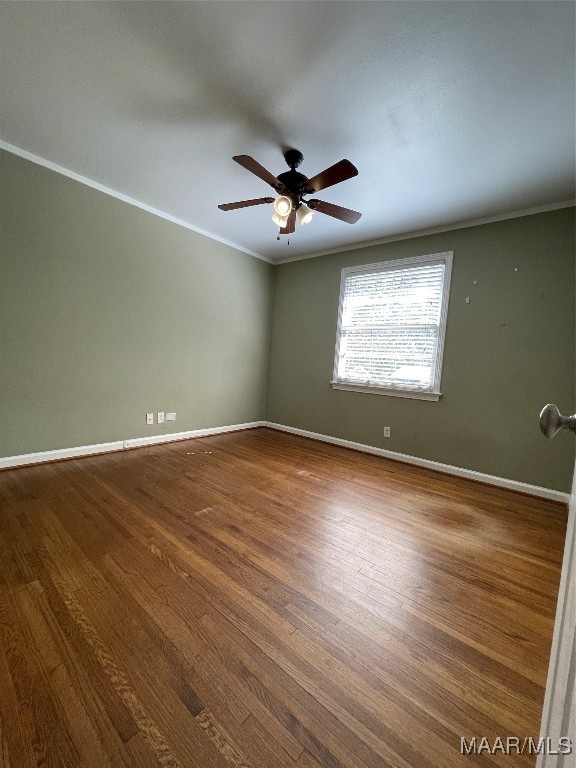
(291, 187)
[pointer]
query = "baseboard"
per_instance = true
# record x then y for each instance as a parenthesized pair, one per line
(40, 457)
(470, 474)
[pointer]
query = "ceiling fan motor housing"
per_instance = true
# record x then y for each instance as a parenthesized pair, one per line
(294, 185)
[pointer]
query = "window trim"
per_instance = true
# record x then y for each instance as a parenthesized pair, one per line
(434, 392)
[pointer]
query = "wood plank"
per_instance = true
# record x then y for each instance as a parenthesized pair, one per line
(260, 600)
(40, 714)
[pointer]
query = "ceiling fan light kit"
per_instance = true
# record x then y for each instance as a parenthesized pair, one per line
(291, 186)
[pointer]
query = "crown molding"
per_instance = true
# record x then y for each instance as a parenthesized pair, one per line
(32, 157)
(24, 153)
(433, 231)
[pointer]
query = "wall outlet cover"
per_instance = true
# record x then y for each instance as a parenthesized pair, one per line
(170, 417)
(149, 418)
(160, 417)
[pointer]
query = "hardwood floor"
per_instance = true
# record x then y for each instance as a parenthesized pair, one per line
(260, 599)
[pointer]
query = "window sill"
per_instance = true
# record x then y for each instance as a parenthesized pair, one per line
(371, 390)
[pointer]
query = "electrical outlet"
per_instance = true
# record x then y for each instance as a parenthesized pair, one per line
(386, 431)
(128, 444)
(149, 418)
(170, 417)
(160, 417)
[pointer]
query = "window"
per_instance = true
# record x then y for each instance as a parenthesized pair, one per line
(391, 323)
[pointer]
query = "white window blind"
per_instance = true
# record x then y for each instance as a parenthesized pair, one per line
(391, 324)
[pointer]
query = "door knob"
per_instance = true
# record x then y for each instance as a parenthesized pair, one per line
(551, 420)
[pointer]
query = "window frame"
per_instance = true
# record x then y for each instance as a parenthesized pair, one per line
(434, 392)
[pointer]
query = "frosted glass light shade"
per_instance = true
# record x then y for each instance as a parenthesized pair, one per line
(280, 220)
(282, 205)
(304, 214)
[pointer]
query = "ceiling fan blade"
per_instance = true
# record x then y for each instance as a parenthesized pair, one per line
(336, 211)
(245, 203)
(290, 224)
(254, 167)
(333, 175)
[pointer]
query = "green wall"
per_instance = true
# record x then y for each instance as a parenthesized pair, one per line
(508, 352)
(108, 312)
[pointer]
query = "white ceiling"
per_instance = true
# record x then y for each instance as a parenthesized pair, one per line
(452, 111)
